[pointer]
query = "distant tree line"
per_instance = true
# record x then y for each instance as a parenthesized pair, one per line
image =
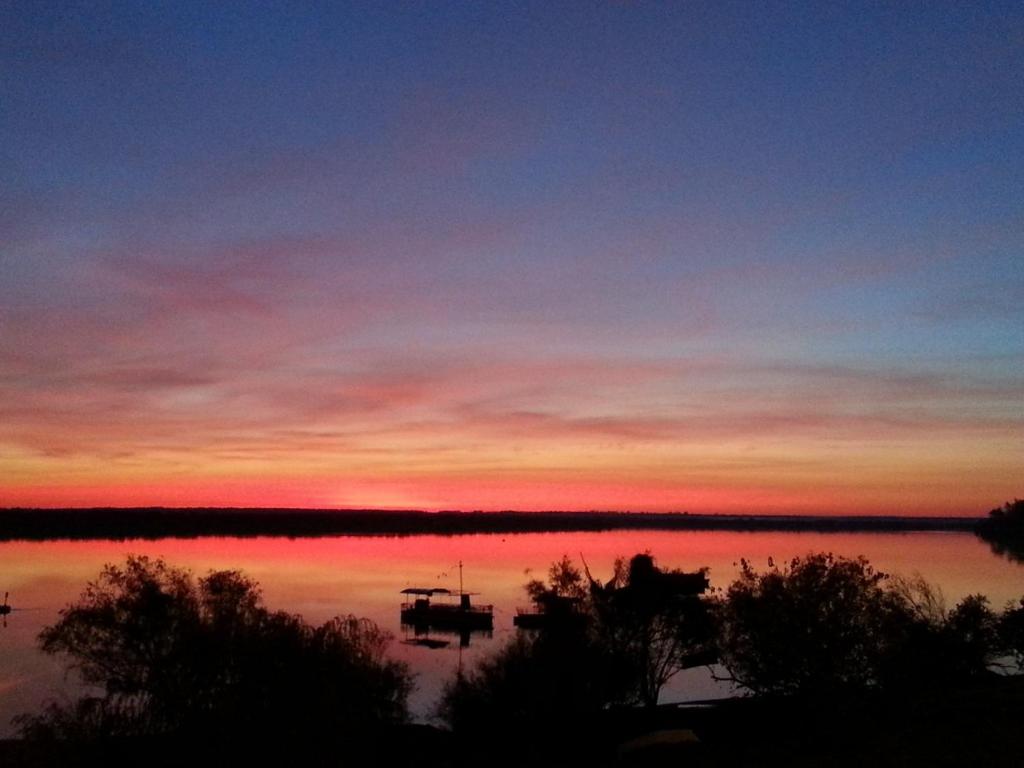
(160, 522)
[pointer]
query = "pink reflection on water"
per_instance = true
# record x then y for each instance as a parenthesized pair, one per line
(320, 578)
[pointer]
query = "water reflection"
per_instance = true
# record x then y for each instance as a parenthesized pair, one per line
(427, 636)
(324, 577)
(445, 611)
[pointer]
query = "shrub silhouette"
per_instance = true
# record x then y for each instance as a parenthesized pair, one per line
(815, 625)
(203, 657)
(825, 625)
(564, 596)
(928, 646)
(547, 683)
(1011, 632)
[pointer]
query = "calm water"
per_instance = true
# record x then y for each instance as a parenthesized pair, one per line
(323, 577)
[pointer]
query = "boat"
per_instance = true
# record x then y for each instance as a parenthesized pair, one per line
(454, 611)
(551, 610)
(5, 608)
(432, 643)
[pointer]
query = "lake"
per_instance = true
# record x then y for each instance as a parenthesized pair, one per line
(323, 577)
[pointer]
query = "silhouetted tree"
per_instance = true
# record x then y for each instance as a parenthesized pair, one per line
(826, 624)
(176, 655)
(1011, 632)
(541, 683)
(547, 684)
(544, 686)
(815, 625)
(1003, 529)
(971, 634)
(600, 644)
(563, 600)
(565, 581)
(1012, 512)
(925, 645)
(652, 623)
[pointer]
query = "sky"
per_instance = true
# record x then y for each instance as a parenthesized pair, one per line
(716, 257)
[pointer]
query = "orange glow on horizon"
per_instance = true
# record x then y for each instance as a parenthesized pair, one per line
(703, 435)
(515, 494)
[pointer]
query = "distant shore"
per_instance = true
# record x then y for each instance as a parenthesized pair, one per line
(194, 522)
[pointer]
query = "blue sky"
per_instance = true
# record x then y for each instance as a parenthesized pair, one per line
(363, 244)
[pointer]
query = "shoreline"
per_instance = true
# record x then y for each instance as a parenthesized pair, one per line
(39, 524)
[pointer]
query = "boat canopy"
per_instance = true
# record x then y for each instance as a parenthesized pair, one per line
(428, 591)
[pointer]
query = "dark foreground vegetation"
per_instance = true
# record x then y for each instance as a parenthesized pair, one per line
(160, 522)
(203, 661)
(838, 665)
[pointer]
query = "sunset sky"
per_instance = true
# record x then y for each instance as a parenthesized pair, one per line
(686, 256)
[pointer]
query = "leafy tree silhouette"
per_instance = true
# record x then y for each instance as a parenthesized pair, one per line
(814, 626)
(653, 623)
(824, 625)
(925, 645)
(599, 645)
(203, 657)
(1011, 631)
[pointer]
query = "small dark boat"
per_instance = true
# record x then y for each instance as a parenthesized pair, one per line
(5, 608)
(422, 611)
(527, 618)
(432, 643)
(551, 610)
(455, 612)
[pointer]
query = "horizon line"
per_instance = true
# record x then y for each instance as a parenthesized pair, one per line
(420, 511)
